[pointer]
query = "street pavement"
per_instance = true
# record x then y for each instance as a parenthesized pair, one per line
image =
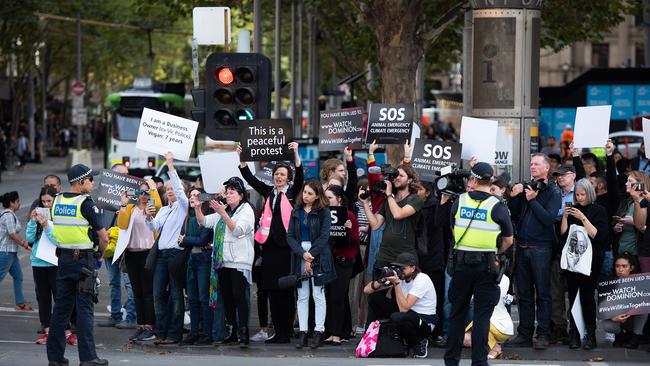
(18, 329)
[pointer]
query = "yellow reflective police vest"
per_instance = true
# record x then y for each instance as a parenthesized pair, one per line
(481, 234)
(70, 227)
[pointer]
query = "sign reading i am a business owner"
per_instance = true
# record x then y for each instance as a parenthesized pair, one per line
(266, 140)
(340, 128)
(390, 123)
(429, 156)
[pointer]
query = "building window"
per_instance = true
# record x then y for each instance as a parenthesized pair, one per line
(639, 55)
(600, 55)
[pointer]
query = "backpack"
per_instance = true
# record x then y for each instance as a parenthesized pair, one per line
(382, 339)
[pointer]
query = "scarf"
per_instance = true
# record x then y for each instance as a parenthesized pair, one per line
(217, 259)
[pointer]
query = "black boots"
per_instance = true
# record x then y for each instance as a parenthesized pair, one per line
(243, 337)
(233, 335)
(590, 340)
(574, 339)
(302, 340)
(315, 340)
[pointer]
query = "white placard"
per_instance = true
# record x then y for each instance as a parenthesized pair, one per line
(162, 132)
(592, 126)
(479, 139)
(208, 25)
(503, 154)
(646, 131)
(578, 318)
(46, 249)
(123, 239)
(218, 167)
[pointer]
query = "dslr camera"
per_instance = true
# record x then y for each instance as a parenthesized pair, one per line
(388, 271)
(535, 184)
(389, 173)
(452, 182)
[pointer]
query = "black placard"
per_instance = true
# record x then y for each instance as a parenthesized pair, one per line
(390, 123)
(340, 128)
(110, 185)
(266, 140)
(625, 295)
(338, 231)
(429, 156)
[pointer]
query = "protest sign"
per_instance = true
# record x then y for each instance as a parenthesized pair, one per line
(340, 128)
(645, 123)
(265, 173)
(429, 156)
(123, 239)
(479, 139)
(338, 231)
(266, 140)
(111, 184)
(390, 123)
(218, 167)
(46, 249)
(162, 132)
(624, 295)
(592, 126)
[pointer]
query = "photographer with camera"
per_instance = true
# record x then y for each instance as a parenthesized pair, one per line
(534, 207)
(400, 212)
(478, 220)
(406, 296)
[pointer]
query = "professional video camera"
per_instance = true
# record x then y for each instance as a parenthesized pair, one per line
(389, 174)
(535, 184)
(452, 182)
(291, 281)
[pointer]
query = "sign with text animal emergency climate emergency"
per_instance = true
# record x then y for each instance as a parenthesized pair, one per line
(624, 295)
(111, 184)
(338, 232)
(266, 140)
(341, 128)
(390, 123)
(162, 132)
(429, 156)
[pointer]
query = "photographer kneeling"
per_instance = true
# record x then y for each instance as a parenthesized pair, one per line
(408, 298)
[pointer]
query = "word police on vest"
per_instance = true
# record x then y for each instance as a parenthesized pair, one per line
(468, 213)
(65, 210)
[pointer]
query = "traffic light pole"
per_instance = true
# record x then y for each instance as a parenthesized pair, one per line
(277, 62)
(79, 130)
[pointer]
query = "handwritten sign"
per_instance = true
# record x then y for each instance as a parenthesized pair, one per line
(266, 140)
(162, 132)
(111, 185)
(340, 128)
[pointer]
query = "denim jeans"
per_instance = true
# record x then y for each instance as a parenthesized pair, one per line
(9, 263)
(198, 292)
(219, 318)
(162, 277)
(532, 271)
(115, 278)
(303, 301)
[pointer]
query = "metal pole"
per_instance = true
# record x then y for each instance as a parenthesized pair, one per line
(79, 137)
(277, 61)
(299, 85)
(313, 75)
(257, 26)
(31, 110)
(292, 63)
(419, 90)
(44, 96)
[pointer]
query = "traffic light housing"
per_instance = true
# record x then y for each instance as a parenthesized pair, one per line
(237, 89)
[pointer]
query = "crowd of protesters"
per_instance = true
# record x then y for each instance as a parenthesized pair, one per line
(214, 251)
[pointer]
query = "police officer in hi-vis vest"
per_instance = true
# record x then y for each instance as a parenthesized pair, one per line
(478, 218)
(76, 223)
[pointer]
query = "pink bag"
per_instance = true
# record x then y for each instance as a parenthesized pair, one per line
(368, 342)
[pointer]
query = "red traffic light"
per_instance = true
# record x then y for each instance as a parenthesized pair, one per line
(225, 76)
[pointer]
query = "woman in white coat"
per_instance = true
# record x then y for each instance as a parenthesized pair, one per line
(501, 327)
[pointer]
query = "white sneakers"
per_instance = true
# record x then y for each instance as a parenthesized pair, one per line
(261, 336)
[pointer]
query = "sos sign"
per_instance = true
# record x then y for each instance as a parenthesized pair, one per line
(390, 123)
(429, 156)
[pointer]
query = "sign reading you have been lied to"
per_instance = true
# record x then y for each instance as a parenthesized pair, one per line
(266, 140)
(429, 156)
(111, 185)
(624, 295)
(162, 132)
(389, 123)
(341, 128)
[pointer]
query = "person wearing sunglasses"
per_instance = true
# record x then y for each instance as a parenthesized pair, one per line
(232, 256)
(76, 222)
(141, 241)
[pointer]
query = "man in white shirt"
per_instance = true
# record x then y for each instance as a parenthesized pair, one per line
(408, 298)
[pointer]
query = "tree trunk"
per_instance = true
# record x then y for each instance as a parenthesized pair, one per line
(394, 24)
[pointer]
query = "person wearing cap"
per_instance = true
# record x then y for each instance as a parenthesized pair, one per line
(408, 298)
(534, 212)
(232, 254)
(478, 219)
(76, 223)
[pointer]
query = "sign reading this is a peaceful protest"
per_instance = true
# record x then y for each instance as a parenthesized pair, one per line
(624, 295)
(338, 231)
(429, 156)
(341, 128)
(111, 185)
(162, 132)
(390, 123)
(266, 140)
